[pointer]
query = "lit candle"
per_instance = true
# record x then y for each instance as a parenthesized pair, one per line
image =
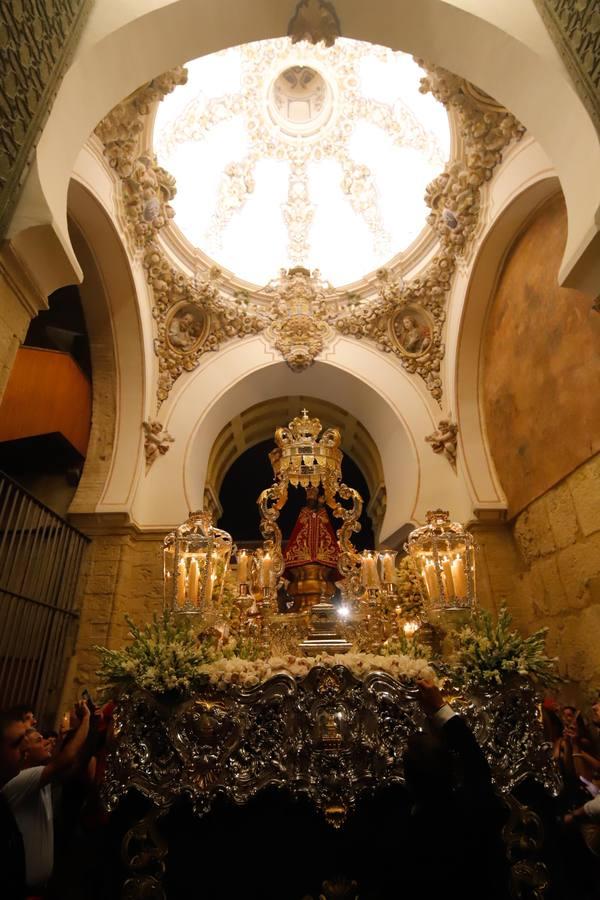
(370, 578)
(389, 569)
(459, 578)
(447, 576)
(266, 566)
(181, 583)
(66, 721)
(193, 581)
(410, 628)
(242, 567)
(431, 581)
(210, 583)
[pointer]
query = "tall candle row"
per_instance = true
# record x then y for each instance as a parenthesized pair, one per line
(454, 579)
(265, 573)
(372, 574)
(188, 585)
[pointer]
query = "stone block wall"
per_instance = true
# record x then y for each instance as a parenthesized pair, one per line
(545, 567)
(122, 574)
(541, 366)
(558, 537)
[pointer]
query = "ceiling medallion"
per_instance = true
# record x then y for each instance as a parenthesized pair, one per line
(300, 101)
(192, 317)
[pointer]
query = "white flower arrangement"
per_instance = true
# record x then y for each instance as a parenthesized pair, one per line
(247, 673)
(491, 652)
(166, 656)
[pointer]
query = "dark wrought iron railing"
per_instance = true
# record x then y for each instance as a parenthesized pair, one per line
(40, 559)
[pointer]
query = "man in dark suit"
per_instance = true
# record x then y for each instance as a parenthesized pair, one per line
(12, 854)
(456, 818)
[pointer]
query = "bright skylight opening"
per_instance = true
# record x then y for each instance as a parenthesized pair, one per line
(263, 184)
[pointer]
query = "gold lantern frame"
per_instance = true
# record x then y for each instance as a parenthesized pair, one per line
(196, 558)
(444, 557)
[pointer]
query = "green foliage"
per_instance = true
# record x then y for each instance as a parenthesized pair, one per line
(488, 651)
(164, 655)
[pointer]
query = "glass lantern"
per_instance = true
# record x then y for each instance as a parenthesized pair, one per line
(369, 572)
(196, 559)
(444, 556)
(387, 567)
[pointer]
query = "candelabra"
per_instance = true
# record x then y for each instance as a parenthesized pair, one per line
(197, 556)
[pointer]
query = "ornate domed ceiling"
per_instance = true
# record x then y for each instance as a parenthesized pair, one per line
(302, 155)
(299, 191)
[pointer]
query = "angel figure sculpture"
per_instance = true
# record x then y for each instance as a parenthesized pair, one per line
(156, 440)
(444, 440)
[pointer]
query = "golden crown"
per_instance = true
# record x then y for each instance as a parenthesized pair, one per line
(301, 458)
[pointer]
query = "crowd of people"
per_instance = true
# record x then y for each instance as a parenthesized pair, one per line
(575, 741)
(49, 786)
(42, 775)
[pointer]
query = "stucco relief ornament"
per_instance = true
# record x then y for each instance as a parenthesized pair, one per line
(444, 439)
(299, 330)
(120, 130)
(406, 320)
(192, 317)
(157, 440)
(315, 21)
(146, 195)
(486, 128)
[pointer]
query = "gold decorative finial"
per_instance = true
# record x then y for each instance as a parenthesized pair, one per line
(315, 21)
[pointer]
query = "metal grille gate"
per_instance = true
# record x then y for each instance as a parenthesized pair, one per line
(40, 558)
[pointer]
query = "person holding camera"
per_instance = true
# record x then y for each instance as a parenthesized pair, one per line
(30, 798)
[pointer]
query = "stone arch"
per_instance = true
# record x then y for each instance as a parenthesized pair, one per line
(112, 316)
(258, 423)
(508, 54)
(480, 473)
(372, 387)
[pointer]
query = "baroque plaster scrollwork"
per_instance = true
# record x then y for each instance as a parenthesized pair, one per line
(454, 198)
(146, 195)
(382, 321)
(299, 330)
(120, 130)
(486, 129)
(192, 317)
(298, 311)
